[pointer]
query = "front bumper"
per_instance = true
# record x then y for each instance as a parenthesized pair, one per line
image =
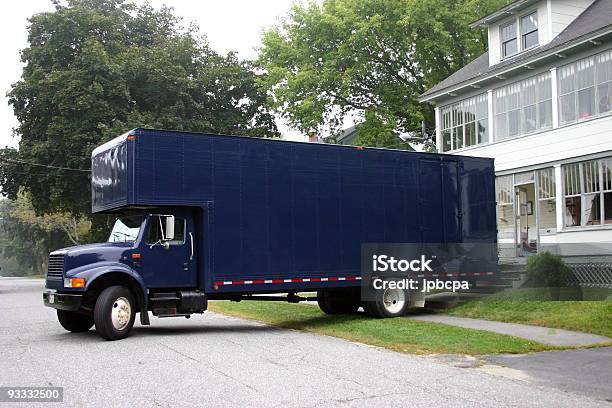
(64, 301)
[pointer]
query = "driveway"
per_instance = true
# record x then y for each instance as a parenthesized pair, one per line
(587, 371)
(213, 360)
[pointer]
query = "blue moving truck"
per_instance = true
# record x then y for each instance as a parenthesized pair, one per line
(202, 217)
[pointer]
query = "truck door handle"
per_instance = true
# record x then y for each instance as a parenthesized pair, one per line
(191, 239)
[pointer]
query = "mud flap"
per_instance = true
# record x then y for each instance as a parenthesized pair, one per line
(417, 298)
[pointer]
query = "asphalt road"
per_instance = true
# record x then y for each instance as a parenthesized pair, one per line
(212, 360)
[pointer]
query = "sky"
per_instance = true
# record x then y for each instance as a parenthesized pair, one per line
(230, 25)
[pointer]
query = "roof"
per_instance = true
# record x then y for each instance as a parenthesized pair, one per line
(347, 133)
(595, 20)
(503, 12)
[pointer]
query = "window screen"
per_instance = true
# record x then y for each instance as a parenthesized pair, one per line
(585, 88)
(523, 107)
(465, 123)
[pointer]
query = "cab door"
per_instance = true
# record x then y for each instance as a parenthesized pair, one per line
(170, 264)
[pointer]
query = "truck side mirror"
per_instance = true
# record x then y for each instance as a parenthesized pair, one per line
(169, 233)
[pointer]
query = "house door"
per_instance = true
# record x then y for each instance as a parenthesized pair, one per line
(526, 237)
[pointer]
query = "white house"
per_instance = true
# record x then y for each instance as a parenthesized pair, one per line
(540, 103)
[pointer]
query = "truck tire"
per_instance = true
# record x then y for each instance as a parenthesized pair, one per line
(388, 303)
(337, 302)
(114, 313)
(74, 322)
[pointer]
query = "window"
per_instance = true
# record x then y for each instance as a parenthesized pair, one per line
(509, 43)
(528, 35)
(606, 189)
(585, 88)
(547, 205)
(567, 97)
(504, 196)
(465, 123)
(457, 126)
(156, 223)
(604, 81)
(126, 229)
(523, 107)
(544, 99)
(529, 31)
(446, 130)
(588, 193)
(585, 81)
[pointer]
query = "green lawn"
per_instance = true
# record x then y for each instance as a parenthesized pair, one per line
(519, 307)
(399, 334)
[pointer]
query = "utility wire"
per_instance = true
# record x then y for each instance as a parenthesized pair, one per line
(45, 165)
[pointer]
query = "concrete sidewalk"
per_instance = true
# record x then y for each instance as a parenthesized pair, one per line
(544, 335)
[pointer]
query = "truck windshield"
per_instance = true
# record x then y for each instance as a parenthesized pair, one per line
(126, 229)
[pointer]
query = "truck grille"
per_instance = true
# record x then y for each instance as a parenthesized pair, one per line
(56, 267)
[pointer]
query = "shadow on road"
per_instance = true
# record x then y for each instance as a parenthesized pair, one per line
(92, 336)
(182, 330)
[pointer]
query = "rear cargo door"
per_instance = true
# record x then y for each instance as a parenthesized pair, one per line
(439, 199)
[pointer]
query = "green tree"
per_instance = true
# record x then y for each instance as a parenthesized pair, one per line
(26, 240)
(97, 68)
(368, 58)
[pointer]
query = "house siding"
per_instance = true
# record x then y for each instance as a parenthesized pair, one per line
(563, 12)
(581, 139)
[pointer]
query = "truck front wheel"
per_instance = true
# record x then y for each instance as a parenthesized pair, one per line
(114, 313)
(74, 322)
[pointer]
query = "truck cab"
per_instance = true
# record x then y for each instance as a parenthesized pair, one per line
(149, 262)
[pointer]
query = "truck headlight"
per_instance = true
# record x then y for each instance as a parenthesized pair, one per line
(74, 282)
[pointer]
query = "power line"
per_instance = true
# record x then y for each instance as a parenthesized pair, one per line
(45, 165)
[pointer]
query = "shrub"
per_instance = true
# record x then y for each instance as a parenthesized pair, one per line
(547, 270)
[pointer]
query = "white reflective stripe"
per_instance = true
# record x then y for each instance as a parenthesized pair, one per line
(295, 280)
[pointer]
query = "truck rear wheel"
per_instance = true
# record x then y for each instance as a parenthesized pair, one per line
(388, 303)
(337, 301)
(74, 322)
(114, 313)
